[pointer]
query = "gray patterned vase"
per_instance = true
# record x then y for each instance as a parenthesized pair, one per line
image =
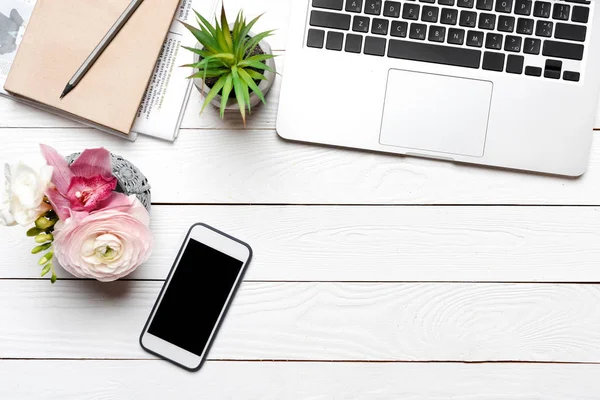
(130, 179)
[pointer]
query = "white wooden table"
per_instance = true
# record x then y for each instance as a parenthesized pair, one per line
(375, 277)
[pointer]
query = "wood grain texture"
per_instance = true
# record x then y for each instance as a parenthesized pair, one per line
(144, 380)
(254, 167)
(317, 321)
(326, 243)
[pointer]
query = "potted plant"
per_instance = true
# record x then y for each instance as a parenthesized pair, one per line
(233, 68)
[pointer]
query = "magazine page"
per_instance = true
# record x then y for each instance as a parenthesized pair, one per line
(162, 109)
(14, 15)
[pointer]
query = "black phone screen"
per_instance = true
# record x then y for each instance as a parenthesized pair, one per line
(195, 297)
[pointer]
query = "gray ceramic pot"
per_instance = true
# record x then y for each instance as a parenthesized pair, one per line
(130, 179)
(264, 85)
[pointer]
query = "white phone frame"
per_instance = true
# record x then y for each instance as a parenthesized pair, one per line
(220, 242)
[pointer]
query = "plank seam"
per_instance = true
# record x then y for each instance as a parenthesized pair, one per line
(320, 361)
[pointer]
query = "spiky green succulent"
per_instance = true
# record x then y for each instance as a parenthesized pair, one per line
(227, 57)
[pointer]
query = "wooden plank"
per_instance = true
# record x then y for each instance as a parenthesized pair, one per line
(501, 244)
(317, 321)
(141, 380)
(258, 167)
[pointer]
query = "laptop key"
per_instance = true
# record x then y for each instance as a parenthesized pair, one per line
(380, 26)
(399, 29)
(561, 11)
(466, 3)
(553, 69)
(514, 64)
(437, 34)
(580, 14)
(493, 61)
(523, 7)
(391, 9)
(571, 76)
(570, 32)
(485, 5)
(532, 46)
(563, 50)
(525, 26)
(433, 53)
(506, 23)
(324, 19)
(468, 19)
(430, 14)
(373, 7)
(354, 6)
(493, 41)
(375, 46)
(418, 31)
(361, 24)
(446, 2)
(353, 43)
(544, 28)
(411, 11)
(449, 16)
(542, 9)
(334, 40)
(329, 4)
(487, 21)
(475, 39)
(533, 71)
(513, 44)
(456, 36)
(504, 6)
(316, 38)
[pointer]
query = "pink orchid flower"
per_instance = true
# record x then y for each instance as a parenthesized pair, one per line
(85, 186)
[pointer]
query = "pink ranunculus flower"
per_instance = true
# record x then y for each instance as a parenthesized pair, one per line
(106, 244)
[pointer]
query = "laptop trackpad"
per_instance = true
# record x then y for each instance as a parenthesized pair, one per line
(436, 113)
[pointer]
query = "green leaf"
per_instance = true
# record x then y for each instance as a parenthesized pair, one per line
(210, 73)
(41, 248)
(255, 75)
(225, 94)
(46, 268)
(255, 40)
(260, 57)
(44, 237)
(214, 91)
(201, 52)
(240, 52)
(44, 223)
(252, 85)
(44, 260)
(239, 93)
(225, 27)
(53, 278)
(204, 21)
(255, 64)
(206, 40)
(34, 231)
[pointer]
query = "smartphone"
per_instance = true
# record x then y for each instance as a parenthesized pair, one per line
(195, 296)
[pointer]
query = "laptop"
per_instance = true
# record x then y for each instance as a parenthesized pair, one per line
(504, 83)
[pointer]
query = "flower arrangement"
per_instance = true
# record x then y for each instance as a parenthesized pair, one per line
(231, 59)
(79, 219)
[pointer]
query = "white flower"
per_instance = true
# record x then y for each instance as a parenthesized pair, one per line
(25, 186)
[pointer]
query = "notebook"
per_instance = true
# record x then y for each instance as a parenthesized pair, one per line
(60, 36)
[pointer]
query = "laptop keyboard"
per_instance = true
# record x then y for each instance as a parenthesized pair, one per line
(535, 38)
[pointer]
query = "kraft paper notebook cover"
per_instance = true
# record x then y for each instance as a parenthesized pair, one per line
(60, 36)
